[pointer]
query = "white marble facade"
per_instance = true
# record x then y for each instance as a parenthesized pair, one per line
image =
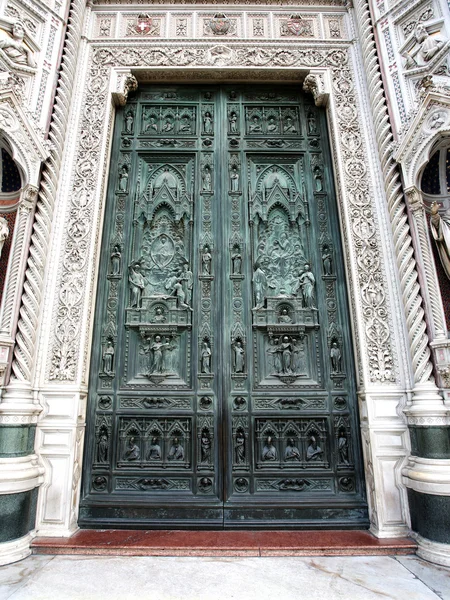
(328, 49)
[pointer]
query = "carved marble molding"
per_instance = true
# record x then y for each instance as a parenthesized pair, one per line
(430, 124)
(324, 62)
(29, 149)
(122, 83)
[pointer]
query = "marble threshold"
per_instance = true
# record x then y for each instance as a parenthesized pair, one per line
(115, 542)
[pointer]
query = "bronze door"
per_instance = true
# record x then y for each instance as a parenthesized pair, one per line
(222, 388)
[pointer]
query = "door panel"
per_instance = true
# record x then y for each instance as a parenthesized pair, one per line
(222, 386)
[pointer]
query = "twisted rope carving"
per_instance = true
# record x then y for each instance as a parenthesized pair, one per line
(24, 349)
(412, 299)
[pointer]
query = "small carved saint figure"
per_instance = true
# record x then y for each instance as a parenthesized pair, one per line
(137, 284)
(289, 126)
(16, 49)
(123, 178)
(318, 184)
(259, 286)
(234, 176)
(206, 261)
(237, 263)
(159, 316)
(4, 233)
(327, 261)
(129, 120)
(185, 124)
(207, 123)
(437, 120)
(285, 348)
(343, 447)
(255, 125)
(291, 452)
(440, 230)
(116, 259)
(154, 451)
(274, 350)
(176, 451)
(239, 448)
(159, 348)
(205, 447)
(269, 451)
(168, 126)
(239, 357)
(207, 179)
(312, 125)
(313, 452)
(102, 447)
(187, 279)
(427, 46)
(205, 358)
(306, 283)
(335, 357)
(108, 357)
(284, 317)
(151, 123)
(180, 294)
(233, 122)
(132, 451)
(272, 124)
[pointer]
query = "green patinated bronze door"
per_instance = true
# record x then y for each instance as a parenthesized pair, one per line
(222, 389)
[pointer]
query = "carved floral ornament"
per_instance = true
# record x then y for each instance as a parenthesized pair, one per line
(329, 67)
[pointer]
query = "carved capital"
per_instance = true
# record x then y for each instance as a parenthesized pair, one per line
(29, 197)
(315, 83)
(414, 199)
(121, 85)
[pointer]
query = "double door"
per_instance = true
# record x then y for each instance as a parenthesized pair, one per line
(222, 388)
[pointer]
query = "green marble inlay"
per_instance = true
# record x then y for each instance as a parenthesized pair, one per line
(430, 516)
(17, 514)
(430, 442)
(16, 440)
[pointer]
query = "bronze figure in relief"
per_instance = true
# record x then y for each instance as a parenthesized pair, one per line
(291, 452)
(269, 451)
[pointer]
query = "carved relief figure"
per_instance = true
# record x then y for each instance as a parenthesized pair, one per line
(102, 447)
(289, 126)
(137, 284)
(335, 356)
(285, 348)
(180, 294)
(306, 283)
(318, 184)
(269, 451)
(159, 316)
(327, 261)
(205, 447)
(123, 178)
(176, 451)
(16, 49)
(206, 261)
(108, 357)
(259, 286)
(132, 451)
(233, 122)
(236, 259)
(185, 124)
(272, 125)
(4, 233)
(234, 176)
(207, 179)
(343, 447)
(129, 121)
(291, 452)
(187, 278)
(168, 126)
(426, 47)
(116, 260)
(239, 448)
(313, 452)
(206, 358)
(255, 125)
(312, 126)
(239, 357)
(284, 317)
(274, 350)
(440, 230)
(207, 123)
(159, 348)
(154, 451)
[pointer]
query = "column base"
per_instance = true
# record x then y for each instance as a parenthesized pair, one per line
(15, 550)
(434, 552)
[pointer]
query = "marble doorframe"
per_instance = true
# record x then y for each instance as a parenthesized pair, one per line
(333, 73)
